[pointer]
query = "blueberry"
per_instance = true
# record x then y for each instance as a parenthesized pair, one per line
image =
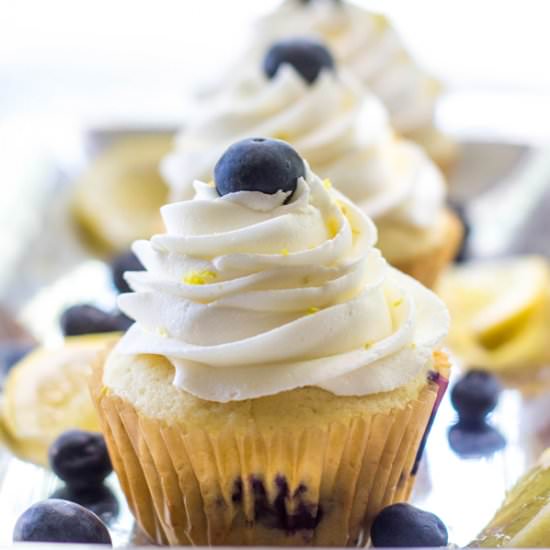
(403, 525)
(100, 500)
(56, 520)
(258, 164)
(474, 396)
(88, 319)
(483, 440)
(463, 253)
(127, 261)
(306, 55)
(80, 459)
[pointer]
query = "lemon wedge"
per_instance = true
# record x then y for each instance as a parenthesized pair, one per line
(500, 311)
(47, 393)
(523, 520)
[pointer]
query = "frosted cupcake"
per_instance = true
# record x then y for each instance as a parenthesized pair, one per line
(297, 94)
(367, 45)
(280, 376)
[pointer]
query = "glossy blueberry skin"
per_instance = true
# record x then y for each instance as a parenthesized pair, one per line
(474, 396)
(56, 520)
(100, 500)
(258, 164)
(80, 459)
(402, 525)
(88, 319)
(309, 57)
(127, 261)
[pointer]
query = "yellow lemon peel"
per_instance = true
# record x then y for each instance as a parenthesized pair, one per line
(284, 252)
(199, 277)
(333, 226)
(312, 310)
(161, 331)
(327, 184)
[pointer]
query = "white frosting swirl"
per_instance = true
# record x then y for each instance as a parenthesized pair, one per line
(247, 296)
(340, 128)
(365, 43)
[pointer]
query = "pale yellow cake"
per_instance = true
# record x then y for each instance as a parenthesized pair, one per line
(294, 465)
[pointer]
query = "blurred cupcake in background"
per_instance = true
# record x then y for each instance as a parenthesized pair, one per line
(298, 94)
(367, 45)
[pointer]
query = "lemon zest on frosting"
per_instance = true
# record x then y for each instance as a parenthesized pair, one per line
(199, 277)
(312, 310)
(161, 331)
(333, 226)
(327, 184)
(284, 252)
(342, 206)
(368, 345)
(398, 302)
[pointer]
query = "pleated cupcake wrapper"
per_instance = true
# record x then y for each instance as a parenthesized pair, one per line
(319, 486)
(427, 267)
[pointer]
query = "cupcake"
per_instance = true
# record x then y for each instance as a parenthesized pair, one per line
(280, 377)
(299, 95)
(367, 45)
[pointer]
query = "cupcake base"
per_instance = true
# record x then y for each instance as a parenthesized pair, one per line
(427, 267)
(252, 479)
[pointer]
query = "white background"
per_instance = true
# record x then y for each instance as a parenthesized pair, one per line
(130, 58)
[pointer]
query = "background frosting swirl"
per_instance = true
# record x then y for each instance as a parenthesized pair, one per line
(365, 43)
(247, 296)
(340, 128)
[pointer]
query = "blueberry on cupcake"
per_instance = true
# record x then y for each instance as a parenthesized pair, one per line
(308, 56)
(259, 164)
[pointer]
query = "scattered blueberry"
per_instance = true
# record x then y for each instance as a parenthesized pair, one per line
(403, 525)
(474, 396)
(100, 500)
(127, 261)
(306, 55)
(56, 520)
(258, 164)
(11, 353)
(462, 254)
(88, 319)
(481, 441)
(80, 459)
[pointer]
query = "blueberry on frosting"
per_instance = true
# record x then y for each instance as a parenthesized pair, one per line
(258, 164)
(309, 57)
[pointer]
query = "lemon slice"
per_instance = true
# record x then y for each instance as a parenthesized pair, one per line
(118, 198)
(523, 520)
(47, 393)
(500, 311)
